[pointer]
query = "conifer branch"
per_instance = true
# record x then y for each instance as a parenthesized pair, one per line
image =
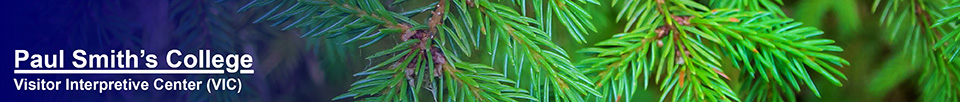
(680, 44)
(427, 49)
(929, 40)
(512, 38)
(677, 41)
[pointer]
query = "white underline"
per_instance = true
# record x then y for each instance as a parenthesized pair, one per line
(246, 71)
(140, 71)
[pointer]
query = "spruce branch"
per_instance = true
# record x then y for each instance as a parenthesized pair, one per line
(781, 73)
(928, 37)
(426, 58)
(678, 40)
(514, 39)
(418, 63)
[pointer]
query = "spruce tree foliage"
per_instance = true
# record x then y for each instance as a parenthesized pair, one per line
(428, 59)
(679, 45)
(926, 31)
